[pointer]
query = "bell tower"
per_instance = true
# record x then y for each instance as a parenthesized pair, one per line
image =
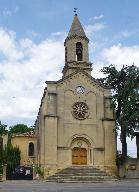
(76, 49)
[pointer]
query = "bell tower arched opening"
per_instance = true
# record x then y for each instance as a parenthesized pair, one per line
(79, 51)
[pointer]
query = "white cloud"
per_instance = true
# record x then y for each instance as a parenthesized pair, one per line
(25, 66)
(93, 28)
(59, 34)
(9, 12)
(121, 55)
(124, 34)
(8, 45)
(117, 55)
(98, 17)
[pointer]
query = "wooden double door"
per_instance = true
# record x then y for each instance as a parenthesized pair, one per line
(79, 156)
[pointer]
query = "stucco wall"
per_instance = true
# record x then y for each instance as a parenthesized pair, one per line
(22, 142)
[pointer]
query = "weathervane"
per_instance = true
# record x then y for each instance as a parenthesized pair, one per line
(75, 11)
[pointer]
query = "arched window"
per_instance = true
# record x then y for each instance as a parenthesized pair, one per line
(31, 149)
(79, 51)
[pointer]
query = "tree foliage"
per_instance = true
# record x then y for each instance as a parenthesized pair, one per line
(3, 129)
(125, 88)
(11, 156)
(19, 129)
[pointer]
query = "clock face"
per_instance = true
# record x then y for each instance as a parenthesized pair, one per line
(80, 89)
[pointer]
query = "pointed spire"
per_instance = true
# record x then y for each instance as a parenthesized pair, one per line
(76, 28)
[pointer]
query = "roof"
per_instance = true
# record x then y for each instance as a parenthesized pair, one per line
(77, 71)
(76, 28)
(27, 134)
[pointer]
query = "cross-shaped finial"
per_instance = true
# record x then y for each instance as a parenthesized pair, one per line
(75, 11)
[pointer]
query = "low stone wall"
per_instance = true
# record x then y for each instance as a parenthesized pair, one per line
(130, 169)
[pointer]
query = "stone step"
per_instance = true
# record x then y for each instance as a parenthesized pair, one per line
(82, 167)
(82, 171)
(93, 169)
(69, 181)
(80, 174)
(81, 177)
(85, 172)
(79, 180)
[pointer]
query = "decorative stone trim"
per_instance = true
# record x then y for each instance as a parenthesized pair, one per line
(65, 148)
(76, 37)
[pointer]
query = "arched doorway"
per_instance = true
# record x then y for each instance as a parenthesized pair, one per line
(79, 156)
(81, 150)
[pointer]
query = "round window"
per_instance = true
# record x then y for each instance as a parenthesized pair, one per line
(80, 110)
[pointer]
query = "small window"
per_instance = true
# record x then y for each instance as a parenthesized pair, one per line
(65, 54)
(31, 149)
(79, 51)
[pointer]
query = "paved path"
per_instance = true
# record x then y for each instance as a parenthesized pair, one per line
(42, 186)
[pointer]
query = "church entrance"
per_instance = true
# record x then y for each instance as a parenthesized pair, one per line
(79, 156)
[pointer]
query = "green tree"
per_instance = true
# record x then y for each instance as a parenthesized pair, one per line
(11, 156)
(125, 88)
(3, 129)
(19, 129)
(1, 160)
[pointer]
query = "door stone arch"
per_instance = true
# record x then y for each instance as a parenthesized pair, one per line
(81, 150)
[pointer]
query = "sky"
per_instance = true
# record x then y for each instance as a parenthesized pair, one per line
(32, 34)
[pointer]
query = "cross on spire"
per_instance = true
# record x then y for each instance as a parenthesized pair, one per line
(76, 27)
(75, 10)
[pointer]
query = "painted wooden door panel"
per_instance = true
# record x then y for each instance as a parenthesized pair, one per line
(79, 156)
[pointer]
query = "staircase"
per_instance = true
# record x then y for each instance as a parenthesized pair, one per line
(81, 174)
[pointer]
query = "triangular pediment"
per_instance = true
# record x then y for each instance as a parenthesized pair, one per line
(76, 74)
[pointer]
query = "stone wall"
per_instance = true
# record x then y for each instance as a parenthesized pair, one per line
(130, 169)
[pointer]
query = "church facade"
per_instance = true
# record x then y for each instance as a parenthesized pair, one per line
(75, 121)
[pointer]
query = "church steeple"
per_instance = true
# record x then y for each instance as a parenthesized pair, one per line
(76, 28)
(76, 49)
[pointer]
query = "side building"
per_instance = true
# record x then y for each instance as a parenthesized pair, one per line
(27, 145)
